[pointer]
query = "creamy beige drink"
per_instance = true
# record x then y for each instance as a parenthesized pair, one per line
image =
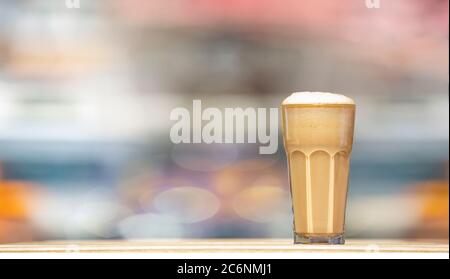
(318, 136)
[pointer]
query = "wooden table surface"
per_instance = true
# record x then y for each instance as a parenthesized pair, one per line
(225, 246)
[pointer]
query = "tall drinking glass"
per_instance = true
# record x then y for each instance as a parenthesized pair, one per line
(318, 136)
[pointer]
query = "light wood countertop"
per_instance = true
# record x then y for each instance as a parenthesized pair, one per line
(225, 246)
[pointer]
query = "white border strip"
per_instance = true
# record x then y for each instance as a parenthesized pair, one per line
(235, 256)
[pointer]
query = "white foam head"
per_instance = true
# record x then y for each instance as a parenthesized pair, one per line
(317, 98)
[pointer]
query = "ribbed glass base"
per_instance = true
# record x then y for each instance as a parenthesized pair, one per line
(318, 238)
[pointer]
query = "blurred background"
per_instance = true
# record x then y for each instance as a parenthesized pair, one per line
(85, 98)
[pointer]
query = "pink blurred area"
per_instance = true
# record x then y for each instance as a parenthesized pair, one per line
(313, 15)
(389, 34)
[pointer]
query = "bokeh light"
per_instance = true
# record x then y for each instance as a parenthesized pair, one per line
(262, 203)
(187, 204)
